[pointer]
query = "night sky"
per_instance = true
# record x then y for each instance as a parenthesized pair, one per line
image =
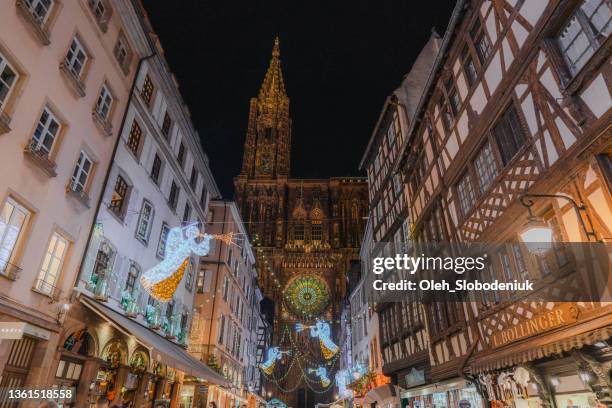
(340, 60)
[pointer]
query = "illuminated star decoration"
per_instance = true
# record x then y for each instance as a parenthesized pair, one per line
(162, 280)
(321, 372)
(322, 331)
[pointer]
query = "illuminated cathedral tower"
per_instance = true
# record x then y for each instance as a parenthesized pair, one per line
(306, 232)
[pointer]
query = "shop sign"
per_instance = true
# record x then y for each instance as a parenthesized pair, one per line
(561, 315)
(415, 377)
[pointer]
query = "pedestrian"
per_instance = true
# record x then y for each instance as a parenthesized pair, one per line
(48, 404)
(103, 402)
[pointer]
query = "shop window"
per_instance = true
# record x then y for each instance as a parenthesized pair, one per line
(585, 32)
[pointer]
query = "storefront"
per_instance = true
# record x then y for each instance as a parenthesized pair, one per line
(456, 393)
(111, 355)
(384, 396)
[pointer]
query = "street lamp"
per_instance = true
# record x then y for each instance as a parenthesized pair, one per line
(537, 233)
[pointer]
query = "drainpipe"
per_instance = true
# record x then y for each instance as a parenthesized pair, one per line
(110, 164)
(212, 312)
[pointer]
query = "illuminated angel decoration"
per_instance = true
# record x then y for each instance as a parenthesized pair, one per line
(274, 355)
(322, 330)
(162, 280)
(321, 372)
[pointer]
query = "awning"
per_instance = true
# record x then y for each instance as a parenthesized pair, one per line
(380, 394)
(442, 386)
(539, 348)
(161, 348)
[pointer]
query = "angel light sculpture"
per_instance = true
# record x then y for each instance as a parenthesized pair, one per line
(321, 372)
(322, 330)
(342, 379)
(162, 280)
(274, 355)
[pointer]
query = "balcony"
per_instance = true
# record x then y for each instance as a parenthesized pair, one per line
(37, 155)
(102, 123)
(36, 24)
(75, 191)
(45, 288)
(10, 271)
(72, 79)
(5, 120)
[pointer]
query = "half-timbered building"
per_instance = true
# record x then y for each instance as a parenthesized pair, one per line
(517, 102)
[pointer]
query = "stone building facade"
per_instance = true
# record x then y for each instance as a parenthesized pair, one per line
(306, 231)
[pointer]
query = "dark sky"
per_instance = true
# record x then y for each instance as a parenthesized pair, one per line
(340, 59)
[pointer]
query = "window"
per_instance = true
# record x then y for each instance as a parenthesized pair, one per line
(203, 196)
(465, 191)
(104, 102)
(170, 309)
(156, 169)
(81, 173)
(103, 262)
(221, 329)
(147, 90)
(225, 288)
(133, 142)
(76, 58)
(145, 221)
(69, 370)
(163, 238)
(509, 135)
(186, 213)
(447, 117)
(46, 133)
(122, 53)
(132, 277)
(189, 275)
(453, 96)
(8, 77)
(181, 154)
(468, 66)
(52, 264)
(298, 231)
(193, 179)
(119, 197)
(586, 30)
(40, 9)
(200, 281)
(485, 167)
(98, 8)
(317, 231)
(13, 219)
(174, 194)
(167, 125)
(481, 42)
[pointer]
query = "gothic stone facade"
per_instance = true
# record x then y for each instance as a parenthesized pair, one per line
(301, 227)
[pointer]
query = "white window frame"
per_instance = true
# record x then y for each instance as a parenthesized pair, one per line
(94, 6)
(163, 239)
(36, 6)
(79, 170)
(73, 56)
(4, 65)
(4, 232)
(37, 144)
(121, 45)
(52, 259)
(104, 103)
(146, 221)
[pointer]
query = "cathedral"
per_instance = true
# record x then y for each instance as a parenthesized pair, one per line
(306, 232)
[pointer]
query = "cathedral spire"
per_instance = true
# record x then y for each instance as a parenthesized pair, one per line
(273, 85)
